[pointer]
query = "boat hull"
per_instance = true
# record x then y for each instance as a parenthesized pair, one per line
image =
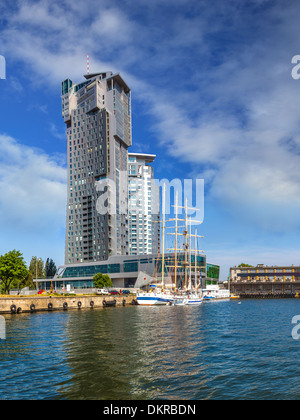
(153, 300)
(187, 301)
(215, 293)
(194, 302)
(216, 298)
(179, 302)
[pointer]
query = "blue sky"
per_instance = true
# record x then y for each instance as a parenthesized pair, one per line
(212, 96)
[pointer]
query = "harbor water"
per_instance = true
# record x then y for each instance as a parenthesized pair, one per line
(219, 350)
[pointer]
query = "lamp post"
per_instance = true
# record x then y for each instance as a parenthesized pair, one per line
(36, 271)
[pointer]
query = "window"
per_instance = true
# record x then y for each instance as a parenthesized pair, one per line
(131, 266)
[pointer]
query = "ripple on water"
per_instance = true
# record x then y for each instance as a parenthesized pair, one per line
(220, 350)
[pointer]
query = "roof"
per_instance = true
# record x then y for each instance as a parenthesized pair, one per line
(143, 156)
(92, 75)
(109, 75)
(120, 81)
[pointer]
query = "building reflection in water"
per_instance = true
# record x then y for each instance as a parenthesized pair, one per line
(134, 353)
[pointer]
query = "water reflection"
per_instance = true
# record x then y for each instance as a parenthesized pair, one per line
(219, 350)
(133, 353)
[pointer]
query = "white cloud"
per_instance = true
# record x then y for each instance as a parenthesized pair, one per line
(231, 112)
(33, 190)
(61, 135)
(111, 26)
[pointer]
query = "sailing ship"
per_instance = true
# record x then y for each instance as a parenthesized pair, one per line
(186, 288)
(191, 293)
(157, 295)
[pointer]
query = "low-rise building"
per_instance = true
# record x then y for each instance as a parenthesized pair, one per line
(264, 279)
(128, 272)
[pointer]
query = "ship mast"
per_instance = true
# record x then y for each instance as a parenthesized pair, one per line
(163, 237)
(196, 252)
(190, 253)
(175, 266)
(187, 247)
(188, 244)
(176, 239)
(186, 233)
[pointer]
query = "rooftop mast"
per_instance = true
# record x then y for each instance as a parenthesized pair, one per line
(88, 64)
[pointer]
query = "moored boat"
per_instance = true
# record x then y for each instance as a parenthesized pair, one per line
(187, 299)
(213, 292)
(194, 300)
(179, 300)
(153, 298)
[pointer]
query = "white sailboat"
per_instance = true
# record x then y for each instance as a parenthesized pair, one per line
(154, 297)
(190, 296)
(157, 294)
(193, 297)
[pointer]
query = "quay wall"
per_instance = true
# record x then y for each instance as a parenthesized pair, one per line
(18, 304)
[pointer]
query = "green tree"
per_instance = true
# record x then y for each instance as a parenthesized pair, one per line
(28, 282)
(36, 267)
(102, 280)
(50, 268)
(13, 270)
(245, 265)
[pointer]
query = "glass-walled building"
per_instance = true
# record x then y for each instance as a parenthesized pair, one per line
(212, 274)
(128, 272)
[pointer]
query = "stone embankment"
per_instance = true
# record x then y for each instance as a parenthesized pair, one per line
(18, 304)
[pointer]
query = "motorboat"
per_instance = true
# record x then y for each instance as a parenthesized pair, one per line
(213, 292)
(194, 300)
(154, 298)
(188, 299)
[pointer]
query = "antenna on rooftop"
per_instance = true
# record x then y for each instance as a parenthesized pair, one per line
(88, 64)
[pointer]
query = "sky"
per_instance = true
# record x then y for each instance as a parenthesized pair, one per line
(212, 96)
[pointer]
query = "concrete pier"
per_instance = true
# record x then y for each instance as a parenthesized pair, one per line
(16, 304)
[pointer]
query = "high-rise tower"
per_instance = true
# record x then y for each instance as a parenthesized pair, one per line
(97, 113)
(144, 205)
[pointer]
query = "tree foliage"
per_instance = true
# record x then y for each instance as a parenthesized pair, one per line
(50, 268)
(13, 270)
(28, 282)
(245, 265)
(102, 280)
(36, 268)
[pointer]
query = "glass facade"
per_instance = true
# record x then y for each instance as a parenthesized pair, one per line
(213, 271)
(66, 86)
(124, 270)
(91, 271)
(170, 263)
(131, 266)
